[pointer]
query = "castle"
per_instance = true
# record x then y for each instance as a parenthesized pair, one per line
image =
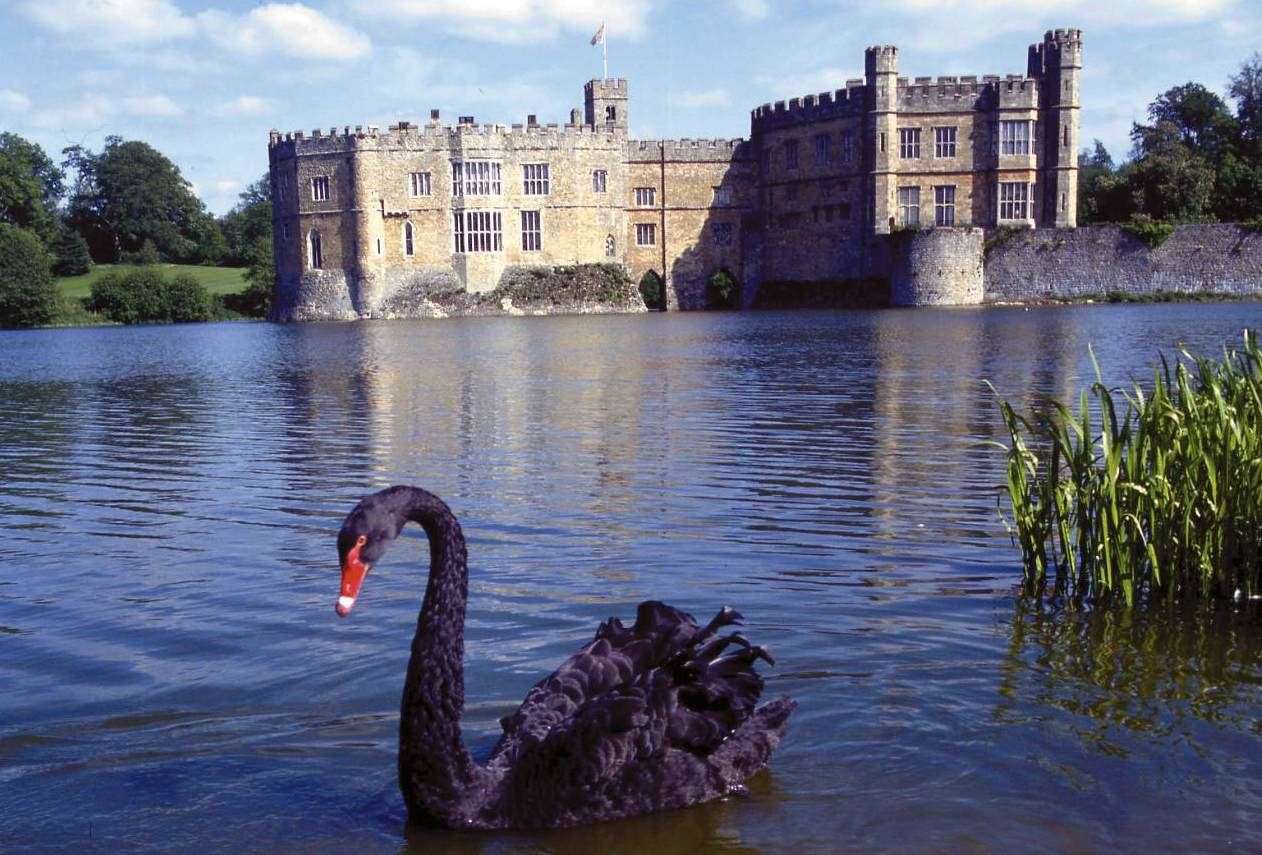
(885, 179)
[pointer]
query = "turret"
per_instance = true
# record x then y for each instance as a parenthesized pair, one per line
(605, 103)
(880, 65)
(1057, 64)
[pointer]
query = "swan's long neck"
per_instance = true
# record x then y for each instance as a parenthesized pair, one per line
(436, 772)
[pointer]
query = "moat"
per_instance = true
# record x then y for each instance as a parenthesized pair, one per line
(174, 677)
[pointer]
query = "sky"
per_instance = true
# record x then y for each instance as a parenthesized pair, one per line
(203, 82)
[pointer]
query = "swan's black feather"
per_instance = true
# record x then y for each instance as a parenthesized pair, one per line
(657, 715)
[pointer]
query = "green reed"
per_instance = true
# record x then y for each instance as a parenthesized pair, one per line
(1162, 500)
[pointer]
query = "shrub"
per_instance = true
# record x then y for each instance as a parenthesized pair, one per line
(144, 296)
(147, 254)
(28, 295)
(70, 253)
(722, 291)
(1163, 500)
(185, 300)
(651, 290)
(1152, 232)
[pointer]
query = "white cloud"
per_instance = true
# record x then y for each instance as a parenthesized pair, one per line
(290, 29)
(227, 185)
(517, 21)
(88, 112)
(752, 10)
(244, 105)
(697, 98)
(151, 106)
(13, 101)
(812, 82)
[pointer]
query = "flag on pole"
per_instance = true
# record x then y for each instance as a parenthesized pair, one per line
(599, 38)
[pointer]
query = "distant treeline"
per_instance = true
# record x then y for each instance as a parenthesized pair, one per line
(126, 204)
(1196, 160)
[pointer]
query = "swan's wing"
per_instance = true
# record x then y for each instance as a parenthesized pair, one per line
(616, 656)
(658, 740)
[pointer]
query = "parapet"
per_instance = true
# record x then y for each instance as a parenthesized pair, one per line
(699, 151)
(880, 59)
(607, 86)
(820, 107)
(411, 136)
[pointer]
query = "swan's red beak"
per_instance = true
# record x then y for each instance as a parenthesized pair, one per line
(353, 572)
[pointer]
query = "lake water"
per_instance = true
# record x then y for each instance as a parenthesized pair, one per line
(172, 675)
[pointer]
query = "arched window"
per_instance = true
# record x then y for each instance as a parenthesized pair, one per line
(611, 247)
(315, 259)
(407, 238)
(611, 113)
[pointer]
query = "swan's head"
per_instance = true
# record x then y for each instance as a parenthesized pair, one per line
(365, 534)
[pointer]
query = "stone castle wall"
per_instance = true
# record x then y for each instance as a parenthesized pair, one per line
(938, 267)
(1091, 261)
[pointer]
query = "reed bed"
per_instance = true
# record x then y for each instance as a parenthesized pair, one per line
(1162, 501)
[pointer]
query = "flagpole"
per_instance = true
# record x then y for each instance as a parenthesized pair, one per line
(604, 50)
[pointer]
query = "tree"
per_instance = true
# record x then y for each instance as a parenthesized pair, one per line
(1170, 180)
(28, 295)
(70, 252)
(1103, 195)
(256, 300)
(186, 300)
(249, 221)
(31, 185)
(1203, 122)
(722, 291)
(1246, 90)
(131, 192)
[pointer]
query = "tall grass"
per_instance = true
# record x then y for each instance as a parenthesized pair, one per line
(1162, 500)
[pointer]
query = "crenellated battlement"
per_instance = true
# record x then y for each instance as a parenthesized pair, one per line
(699, 150)
(407, 135)
(851, 101)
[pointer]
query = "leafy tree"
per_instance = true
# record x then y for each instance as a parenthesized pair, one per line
(249, 221)
(256, 300)
(130, 193)
(137, 296)
(208, 240)
(1203, 122)
(1246, 90)
(1103, 194)
(1170, 180)
(28, 295)
(70, 252)
(31, 185)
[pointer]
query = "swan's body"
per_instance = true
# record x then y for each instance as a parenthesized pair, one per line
(658, 715)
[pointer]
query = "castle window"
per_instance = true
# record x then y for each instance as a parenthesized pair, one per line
(847, 146)
(478, 231)
(600, 180)
(475, 178)
(1014, 137)
(535, 179)
(823, 149)
(722, 195)
(843, 211)
(791, 154)
(645, 234)
(944, 205)
(909, 206)
(379, 247)
(531, 232)
(407, 238)
(419, 184)
(1064, 201)
(1014, 199)
(611, 113)
(723, 234)
(611, 247)
(284, 230)
(320, 189)
(645, 197)
(1065, 144)
(909, 143)
(315, 258)
(944, 142)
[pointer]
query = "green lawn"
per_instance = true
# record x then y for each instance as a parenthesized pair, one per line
(218, 280)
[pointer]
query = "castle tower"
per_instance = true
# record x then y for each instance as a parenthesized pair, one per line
(367, 225)
(605, 103)
(1057, 64)
(881, 70)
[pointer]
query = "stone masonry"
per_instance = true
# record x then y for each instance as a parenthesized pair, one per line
(363, 215)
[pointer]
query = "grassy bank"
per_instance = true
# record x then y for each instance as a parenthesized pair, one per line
(1162, 501)
(217, 280)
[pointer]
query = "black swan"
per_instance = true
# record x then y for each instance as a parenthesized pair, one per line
(659, 715)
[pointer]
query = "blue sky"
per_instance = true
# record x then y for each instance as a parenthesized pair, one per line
(204, 81)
